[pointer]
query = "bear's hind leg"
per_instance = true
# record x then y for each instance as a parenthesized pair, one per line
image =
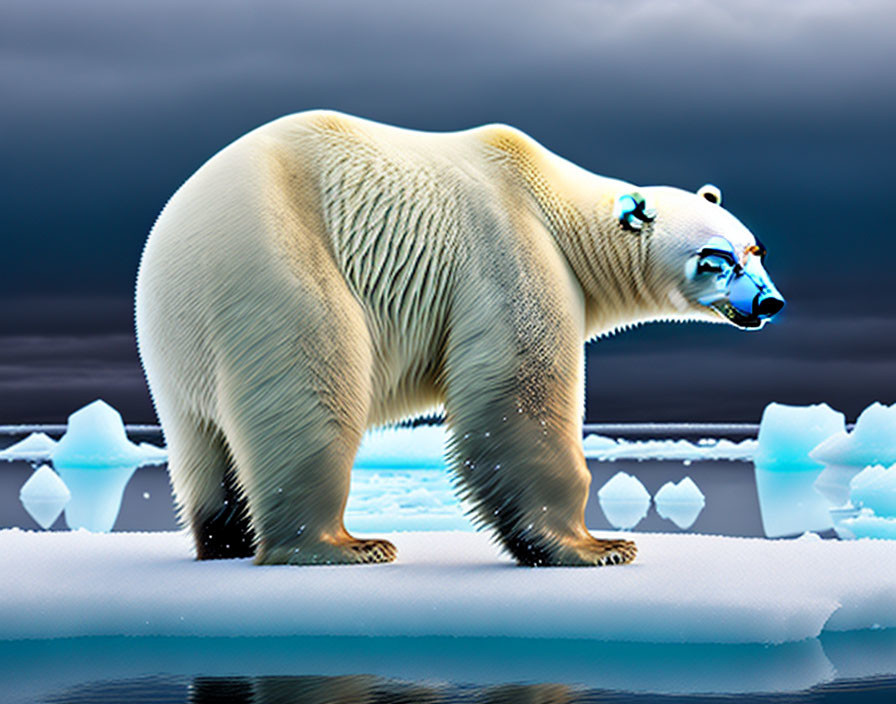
(208, 498)
(293, 410)
(296, 473)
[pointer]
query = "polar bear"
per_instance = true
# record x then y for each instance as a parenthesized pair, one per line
(325, 274)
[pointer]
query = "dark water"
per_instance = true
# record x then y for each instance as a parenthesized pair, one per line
(361, 689)
(732, 505)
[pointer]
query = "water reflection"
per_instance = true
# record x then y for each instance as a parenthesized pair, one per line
(365, 689)
(96, 494)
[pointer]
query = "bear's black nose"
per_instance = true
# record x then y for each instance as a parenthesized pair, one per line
(767, 306)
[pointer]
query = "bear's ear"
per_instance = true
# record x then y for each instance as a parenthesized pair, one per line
(711, 193)
(632, 212)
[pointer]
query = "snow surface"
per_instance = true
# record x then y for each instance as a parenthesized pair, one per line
(681, 589)
(624, 500)
(37, 447)
(680, 503)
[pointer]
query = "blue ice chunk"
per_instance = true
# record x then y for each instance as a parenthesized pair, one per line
(96, 460)
(868, 525)
(844, 455)
(874, 488)
(95, 437)
(788, 433)
(786, 475)
(624, 501)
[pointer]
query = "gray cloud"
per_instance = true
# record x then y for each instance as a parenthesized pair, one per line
(789, 107)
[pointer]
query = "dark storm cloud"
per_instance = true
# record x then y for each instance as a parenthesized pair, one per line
(44, 378)
(789, 107)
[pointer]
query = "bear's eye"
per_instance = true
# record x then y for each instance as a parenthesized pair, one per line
(715, 263)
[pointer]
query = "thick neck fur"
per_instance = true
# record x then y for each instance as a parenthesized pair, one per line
(612, 265)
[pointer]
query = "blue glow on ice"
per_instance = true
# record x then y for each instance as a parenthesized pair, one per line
(785, 474)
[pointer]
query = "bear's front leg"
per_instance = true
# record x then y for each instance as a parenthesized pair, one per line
(513, 404)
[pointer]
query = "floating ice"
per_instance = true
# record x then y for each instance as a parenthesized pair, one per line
(409, 499)
(785, 474)
(598, 447)
(788, 433)
(867, 525)
(839, 516)
(872, 441)
(874, 488)
(624, 501)
(420, 447)
(37, 447)
(682, 588)
(680, 503)
(44, 496)
(95, 437)
(153, 454)
(96, 460)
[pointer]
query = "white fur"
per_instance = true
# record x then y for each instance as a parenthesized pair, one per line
(324, 273)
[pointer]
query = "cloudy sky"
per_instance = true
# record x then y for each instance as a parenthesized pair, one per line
(108, 106)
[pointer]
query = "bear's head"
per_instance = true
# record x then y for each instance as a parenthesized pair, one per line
(702, 259)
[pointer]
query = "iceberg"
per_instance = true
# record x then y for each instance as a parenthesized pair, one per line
(37, 447)
(624, 501)
(680, 503)
(44, 496)
(874, 488)
(95, 437)
(96, 460)
(844, 455)
(867, 525)
(785, 474)
(788, 433)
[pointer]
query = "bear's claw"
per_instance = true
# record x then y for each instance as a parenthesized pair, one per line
(350, 552)
(599, 553)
